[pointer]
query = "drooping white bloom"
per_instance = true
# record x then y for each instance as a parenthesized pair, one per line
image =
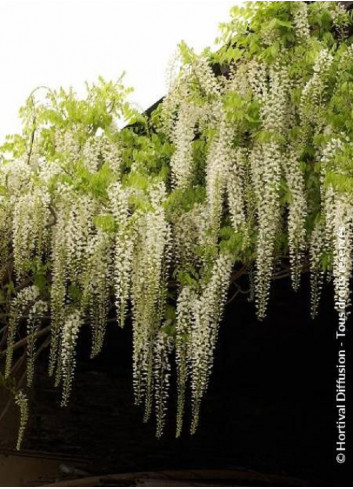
(98, 151)
(35, 316)
(148, 291)
(70, 332)
(338, 238)
(123, 249)
(19, 305)
(182, 165)
(297, 214)
(236, 190)
(311, 109)
(189, 234)
(218, 165)
(30, 219)
(58, 290)
(161, 372)
(207, 311)
(186, 300)
(266, 169)
(342, 254)
(316, 250)
(22, 402)
(97, 286)
(78, 233)
(300, 21)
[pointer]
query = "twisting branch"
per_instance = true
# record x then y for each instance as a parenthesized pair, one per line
(23, 341)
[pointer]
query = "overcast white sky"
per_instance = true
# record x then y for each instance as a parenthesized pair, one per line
(63, 43)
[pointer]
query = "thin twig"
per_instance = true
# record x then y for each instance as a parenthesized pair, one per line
(13, 370)
(23, 341)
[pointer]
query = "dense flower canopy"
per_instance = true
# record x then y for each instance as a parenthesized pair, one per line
(243, 173)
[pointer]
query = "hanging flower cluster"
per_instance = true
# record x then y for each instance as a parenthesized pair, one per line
(22, 402)
(300, 22)
(245, 169)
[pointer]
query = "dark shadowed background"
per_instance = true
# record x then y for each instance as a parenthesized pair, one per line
(270, 406)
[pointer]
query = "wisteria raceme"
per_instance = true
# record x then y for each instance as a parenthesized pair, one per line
(67, 145)
(35, 318)
(19, 305)
(30, 218)
(98, 151)
(342, 255)
(111, 155)
(59, 274)
(333, 148)
(187, 298)
(78, 232)
(316, 250)
(312, 108)
(178, 92)
(189, 234)
(338, 238)
(22, 402)
(147, 292)
(91, 154)
(266, 170)
(62, 267)
(300, 21)
(70, 332)
(181, 162)
(199, 74)
(161, 371)
(236, 191)
(218, 164)
(206, 79)
(123, 249)
(97, 286)
(207, 311)
(297, 214)
(5, 233)
(16, 175)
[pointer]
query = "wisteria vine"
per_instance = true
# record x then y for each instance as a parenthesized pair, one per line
(246, 165)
